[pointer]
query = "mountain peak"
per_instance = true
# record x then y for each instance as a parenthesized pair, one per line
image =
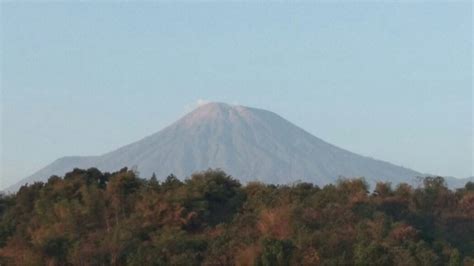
(213, 106)
(214, 111)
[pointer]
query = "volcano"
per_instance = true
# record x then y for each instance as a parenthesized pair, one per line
(248, 143)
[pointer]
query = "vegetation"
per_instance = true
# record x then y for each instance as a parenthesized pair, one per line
(94, 218)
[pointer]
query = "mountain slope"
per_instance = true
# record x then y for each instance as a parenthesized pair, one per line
(248, 143)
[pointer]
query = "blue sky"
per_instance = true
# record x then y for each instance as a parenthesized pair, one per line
(387, 80)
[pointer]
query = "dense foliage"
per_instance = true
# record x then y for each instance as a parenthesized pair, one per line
(94, 218)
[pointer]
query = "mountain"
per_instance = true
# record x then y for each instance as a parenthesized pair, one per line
(248, 143)
(454, 182)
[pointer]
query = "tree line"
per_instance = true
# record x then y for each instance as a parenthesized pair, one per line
(94, 218)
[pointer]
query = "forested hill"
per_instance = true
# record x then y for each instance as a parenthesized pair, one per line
(94, 218)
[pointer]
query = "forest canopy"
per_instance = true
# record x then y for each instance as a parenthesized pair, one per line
(94, 218)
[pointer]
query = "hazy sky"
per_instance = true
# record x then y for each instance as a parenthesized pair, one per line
(391, 81)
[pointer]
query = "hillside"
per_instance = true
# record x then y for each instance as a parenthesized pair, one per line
(94, 218)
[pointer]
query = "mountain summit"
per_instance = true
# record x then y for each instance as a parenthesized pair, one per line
(248, 143)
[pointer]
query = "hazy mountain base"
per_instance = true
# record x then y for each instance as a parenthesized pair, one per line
(63, 165)
(94, 218)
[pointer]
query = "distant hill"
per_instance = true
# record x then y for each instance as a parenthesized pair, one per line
(458, 182)
(250, 143)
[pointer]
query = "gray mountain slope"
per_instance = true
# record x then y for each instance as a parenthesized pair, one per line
(454, 182)
(248, 143)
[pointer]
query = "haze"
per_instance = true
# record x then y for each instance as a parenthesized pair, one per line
(391, 81)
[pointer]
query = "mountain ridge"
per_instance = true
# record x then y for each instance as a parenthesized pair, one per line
(249, 143)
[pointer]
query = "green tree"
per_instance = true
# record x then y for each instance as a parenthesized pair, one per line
(275, 252)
